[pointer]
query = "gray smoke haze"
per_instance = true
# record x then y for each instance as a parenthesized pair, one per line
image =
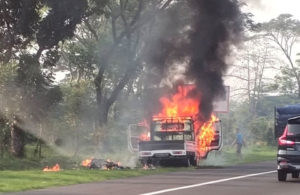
(254, 4)
(196, 34)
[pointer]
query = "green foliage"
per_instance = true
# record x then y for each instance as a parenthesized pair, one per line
(29, 37)
(31, 21)
(257, 128)
(60, 22)
(267, 104)
(8, 73)
(4, 136)
(71, 122)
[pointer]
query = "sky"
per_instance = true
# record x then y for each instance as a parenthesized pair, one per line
(265, 10)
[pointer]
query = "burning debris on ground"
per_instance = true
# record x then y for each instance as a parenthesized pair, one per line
(95, 163)
(55, 168)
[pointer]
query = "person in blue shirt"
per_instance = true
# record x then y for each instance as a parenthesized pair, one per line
(239, 141)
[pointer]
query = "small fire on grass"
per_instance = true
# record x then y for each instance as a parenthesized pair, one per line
(55, 168)
(94, 163)
(86, 162)
(148, 167)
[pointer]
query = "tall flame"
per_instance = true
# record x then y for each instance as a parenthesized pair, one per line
(206, 135)
(182, 104)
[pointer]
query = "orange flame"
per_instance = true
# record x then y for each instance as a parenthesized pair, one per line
(181, 105)
(86, 162)
(145, 136)
(55, 168)
(206, 135)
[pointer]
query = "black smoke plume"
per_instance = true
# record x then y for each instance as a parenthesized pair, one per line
(196, 34)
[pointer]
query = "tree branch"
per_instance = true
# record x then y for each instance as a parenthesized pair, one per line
(94, 33)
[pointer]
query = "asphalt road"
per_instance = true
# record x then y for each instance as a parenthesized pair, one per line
(258, 178)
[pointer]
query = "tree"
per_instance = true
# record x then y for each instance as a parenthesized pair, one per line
(284, 32)
(255, 62)
(107, 49)
(127, 36)
(30, 32)
(77, 116)
(7, 76)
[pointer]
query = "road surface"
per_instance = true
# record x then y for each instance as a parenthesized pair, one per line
(256, 178)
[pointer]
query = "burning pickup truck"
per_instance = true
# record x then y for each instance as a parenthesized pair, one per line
(176, 134)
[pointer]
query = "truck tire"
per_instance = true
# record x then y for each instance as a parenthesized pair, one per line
(194, 162)
(188, 162)
(295, 174)
(281, 175)
(156, 163)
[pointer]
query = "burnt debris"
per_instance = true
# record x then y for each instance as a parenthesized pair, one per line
(105, 164)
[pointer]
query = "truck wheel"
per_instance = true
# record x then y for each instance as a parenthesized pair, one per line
(281, 175)
(188, 162)
(295, 174)
(194, 162)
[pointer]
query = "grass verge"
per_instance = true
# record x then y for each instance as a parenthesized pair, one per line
(12, 181)
(20, 180)
(228, 156)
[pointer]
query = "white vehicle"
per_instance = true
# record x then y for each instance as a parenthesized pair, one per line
(170, 140)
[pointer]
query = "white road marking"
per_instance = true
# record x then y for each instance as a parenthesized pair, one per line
(208, 183)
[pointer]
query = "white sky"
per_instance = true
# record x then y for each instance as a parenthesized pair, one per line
(264, 10)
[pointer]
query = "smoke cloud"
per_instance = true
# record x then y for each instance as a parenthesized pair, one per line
(197, 35)
(254, 3)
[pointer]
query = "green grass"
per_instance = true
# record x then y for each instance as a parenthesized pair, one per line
(29, 162)
(250, 154)
(35, 179)
(13, 177)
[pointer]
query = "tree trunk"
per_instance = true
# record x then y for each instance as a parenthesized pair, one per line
(17, 141)
(103, 112)
(38, 149)
(1, 149)
(104, 103)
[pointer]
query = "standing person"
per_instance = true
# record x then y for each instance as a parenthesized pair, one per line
(239, 141)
